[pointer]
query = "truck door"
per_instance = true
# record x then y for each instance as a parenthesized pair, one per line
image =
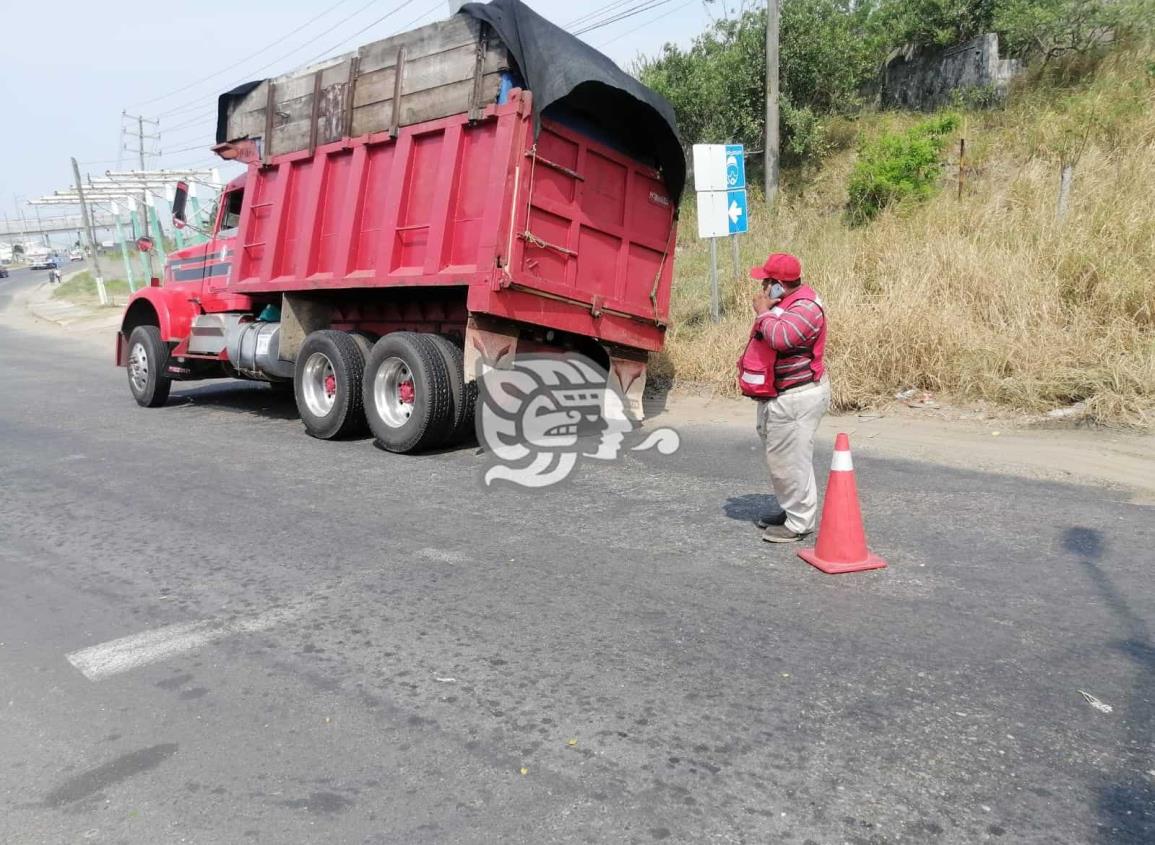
(220, 256)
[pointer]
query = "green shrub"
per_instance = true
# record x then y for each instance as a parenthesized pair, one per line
(898, 168)
(805, 135)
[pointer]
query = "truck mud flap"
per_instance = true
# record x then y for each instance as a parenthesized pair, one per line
(489, 344)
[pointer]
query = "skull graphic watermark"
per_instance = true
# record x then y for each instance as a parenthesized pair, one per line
(537, 418)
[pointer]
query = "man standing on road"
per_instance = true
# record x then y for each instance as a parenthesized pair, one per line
(783, 369)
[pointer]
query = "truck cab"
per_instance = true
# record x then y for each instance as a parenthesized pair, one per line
(204, 268)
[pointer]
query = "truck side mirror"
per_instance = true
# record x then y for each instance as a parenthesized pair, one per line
(179, 201)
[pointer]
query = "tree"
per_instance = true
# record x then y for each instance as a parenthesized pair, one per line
(1047, 29)
(933, 23)
(828, 51)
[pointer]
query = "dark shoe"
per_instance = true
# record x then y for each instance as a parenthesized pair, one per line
(771, 519)
(781, 534)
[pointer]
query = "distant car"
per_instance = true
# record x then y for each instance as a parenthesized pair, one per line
(76, 255)
(3, 272)
(44, 264)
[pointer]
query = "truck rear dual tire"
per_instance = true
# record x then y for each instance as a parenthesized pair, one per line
(147, 365)
(464, 394)
(327, 384)
(408, 392)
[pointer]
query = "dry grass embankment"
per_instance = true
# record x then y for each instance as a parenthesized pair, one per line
(987, 299)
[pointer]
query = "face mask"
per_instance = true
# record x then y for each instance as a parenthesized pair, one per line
(777, 291)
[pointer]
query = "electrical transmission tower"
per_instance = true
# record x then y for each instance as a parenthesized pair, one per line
(133, 139)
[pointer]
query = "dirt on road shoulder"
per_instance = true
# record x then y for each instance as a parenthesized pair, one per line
(1119, 459)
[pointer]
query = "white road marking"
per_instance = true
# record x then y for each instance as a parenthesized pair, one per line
(121, 655)
(443, 555)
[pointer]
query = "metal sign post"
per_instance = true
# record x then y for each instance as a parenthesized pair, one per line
(715, 305)
(720, 182)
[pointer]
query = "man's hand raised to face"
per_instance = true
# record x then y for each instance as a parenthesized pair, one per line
(763, 302)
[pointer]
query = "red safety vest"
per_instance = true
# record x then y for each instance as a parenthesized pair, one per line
(756, 366)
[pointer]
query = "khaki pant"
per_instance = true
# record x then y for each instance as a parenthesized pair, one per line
(787, 425)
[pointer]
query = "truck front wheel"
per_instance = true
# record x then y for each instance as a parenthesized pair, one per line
(147, 360)
(327, 385)
(407, 393)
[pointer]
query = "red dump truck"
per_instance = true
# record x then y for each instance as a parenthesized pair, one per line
(436, 201)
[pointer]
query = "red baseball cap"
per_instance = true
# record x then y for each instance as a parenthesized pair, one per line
(781, 267)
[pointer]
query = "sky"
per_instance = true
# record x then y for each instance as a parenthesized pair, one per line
(70, 69)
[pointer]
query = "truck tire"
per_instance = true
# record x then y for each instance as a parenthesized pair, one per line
(407, 394)
(327, 385)
(364, 340)
(464, 394)
(147, 363)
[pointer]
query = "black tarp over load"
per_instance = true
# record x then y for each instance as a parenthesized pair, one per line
(566, 74)
(456, 66)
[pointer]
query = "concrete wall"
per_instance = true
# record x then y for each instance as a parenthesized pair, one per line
(927, 79)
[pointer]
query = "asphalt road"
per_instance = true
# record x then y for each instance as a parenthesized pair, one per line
(350, 646)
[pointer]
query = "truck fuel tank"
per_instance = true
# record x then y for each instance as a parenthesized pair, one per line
(254, 348)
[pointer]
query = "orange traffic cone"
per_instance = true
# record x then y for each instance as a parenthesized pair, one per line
(841, 543)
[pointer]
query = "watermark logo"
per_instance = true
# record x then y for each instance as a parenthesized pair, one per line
(545, 413)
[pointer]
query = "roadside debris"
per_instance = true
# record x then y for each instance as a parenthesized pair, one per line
(1070, 411)
(915, 398)
(1096, 703)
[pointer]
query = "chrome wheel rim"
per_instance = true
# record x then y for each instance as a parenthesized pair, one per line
(393, 392)
(319, 384)
(138, 367)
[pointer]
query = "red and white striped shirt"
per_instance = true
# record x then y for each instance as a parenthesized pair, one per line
(792, 333)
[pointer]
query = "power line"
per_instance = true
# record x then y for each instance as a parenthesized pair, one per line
(632, 30)
(345, 41)
(264, 49)
(588, 16)
(302, 46)
(199, 119)
(191, 106)
(624, 14)
(424, 14)
(185, 149)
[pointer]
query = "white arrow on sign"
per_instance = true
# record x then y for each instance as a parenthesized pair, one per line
(735, 212)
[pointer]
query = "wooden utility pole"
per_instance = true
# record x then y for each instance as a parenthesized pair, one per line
(772, 10)
(100, 291)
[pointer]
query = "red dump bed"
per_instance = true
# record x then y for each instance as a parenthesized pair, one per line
(562, 232)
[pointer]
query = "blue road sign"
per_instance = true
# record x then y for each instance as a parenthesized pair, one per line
(736, 212)
(735, 166)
